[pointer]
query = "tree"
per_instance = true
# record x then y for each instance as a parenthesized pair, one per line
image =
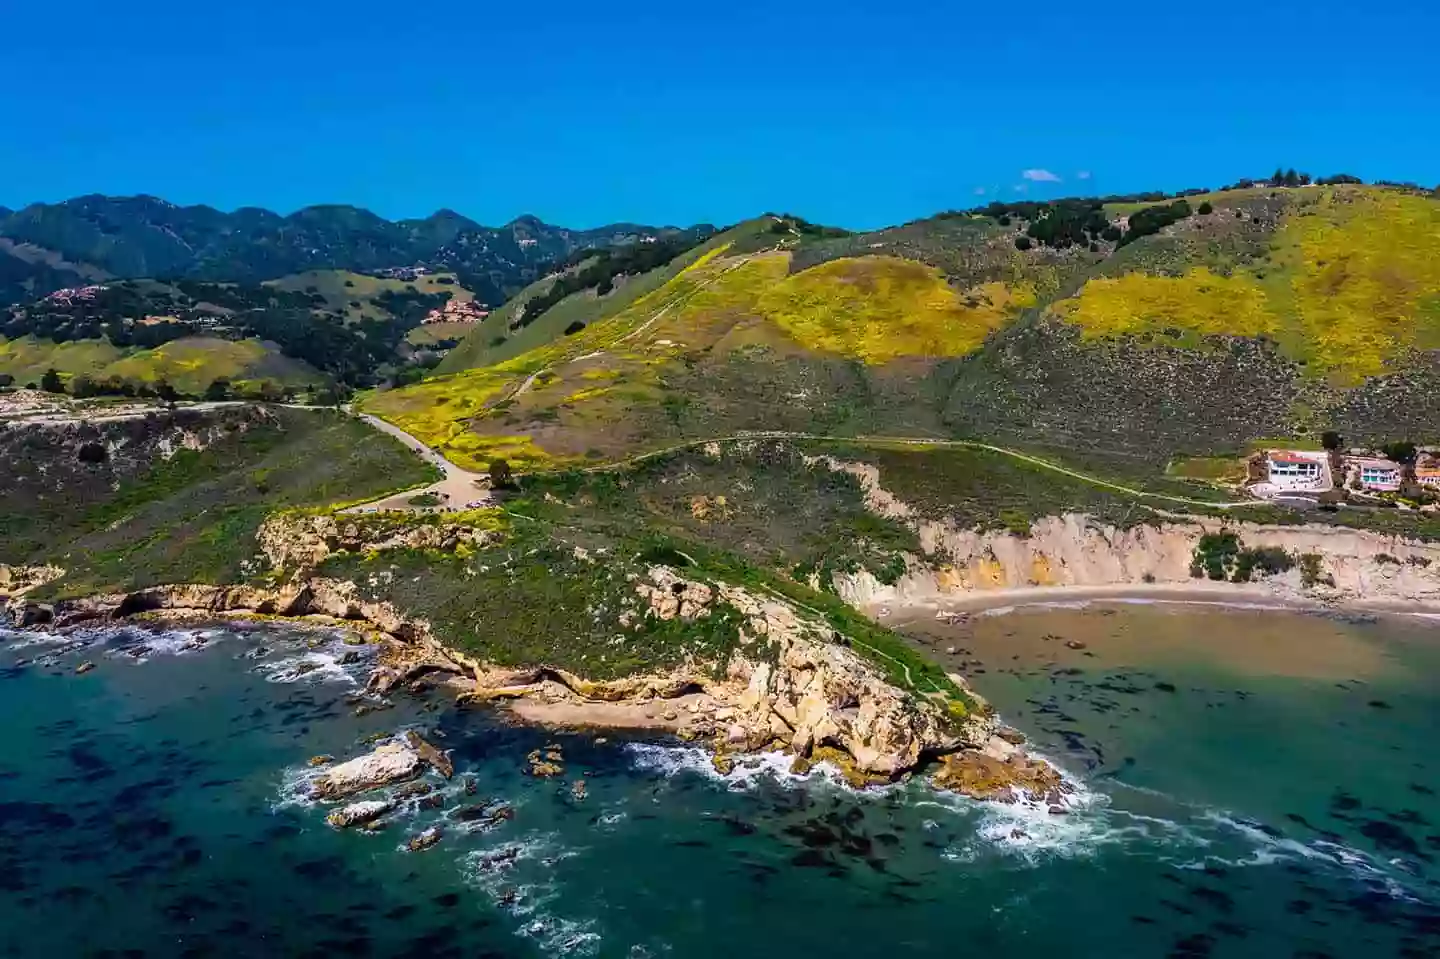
(6, 381)
(575, 327)
(1401, 451)
(50, 382)
(1205, 209)
(1291, 177)
(219, 389)
(166, 392)
(1331, 440)
(1022, 243)
(501, 476)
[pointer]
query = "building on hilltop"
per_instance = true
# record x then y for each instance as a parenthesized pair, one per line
(1428, 476)
(1374, 473)
(1295, 470)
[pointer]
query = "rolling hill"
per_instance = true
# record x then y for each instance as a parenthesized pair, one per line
(1121, 333)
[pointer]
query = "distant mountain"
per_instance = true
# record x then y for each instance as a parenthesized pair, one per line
(144, 236)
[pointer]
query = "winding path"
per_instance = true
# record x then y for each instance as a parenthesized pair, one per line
(460, 487)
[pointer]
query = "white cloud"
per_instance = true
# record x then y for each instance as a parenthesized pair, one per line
(979, 191)
(1083, 175)
(1040, 176)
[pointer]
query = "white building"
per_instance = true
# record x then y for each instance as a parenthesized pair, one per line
(1376, 474)
(1292, 470)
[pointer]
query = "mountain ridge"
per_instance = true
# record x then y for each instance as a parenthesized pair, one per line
(144, 236)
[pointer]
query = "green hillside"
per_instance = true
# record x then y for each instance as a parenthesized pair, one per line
(1125, 334)
(504, 334)
(189, 364)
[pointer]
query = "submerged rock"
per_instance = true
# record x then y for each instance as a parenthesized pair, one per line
(359, 813)
(546, 764)
(424, 840)
(84, 668)
(981, 775)
(390, 763)
(437, 760)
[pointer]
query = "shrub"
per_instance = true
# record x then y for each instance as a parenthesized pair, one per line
(1022, 243)
(1205, 209)
(1266, 560)
(501, 475)
(1215, 555)
(93, 453)
(574, 328)
(1310, 574)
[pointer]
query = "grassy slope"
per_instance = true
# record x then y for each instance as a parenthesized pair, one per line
(190, 363)
(27, 358)
(481, 349)
(776, 350)
(1350, 287)
(193, 517)
(1258, 319)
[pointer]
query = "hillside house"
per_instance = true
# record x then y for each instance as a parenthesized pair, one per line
(1377, 474)
(1428, 476)
(1295, 470)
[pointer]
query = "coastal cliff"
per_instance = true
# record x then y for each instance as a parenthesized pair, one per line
(1073, 549)
(792, 682)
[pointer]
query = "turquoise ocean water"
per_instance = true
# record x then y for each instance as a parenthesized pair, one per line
(155, 806)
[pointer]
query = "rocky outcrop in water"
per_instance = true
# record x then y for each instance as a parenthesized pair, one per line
(390, 763)
(789, 685)
(359, 813)
(792, 683)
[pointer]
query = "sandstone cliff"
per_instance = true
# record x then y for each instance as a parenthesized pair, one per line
(1075, 550)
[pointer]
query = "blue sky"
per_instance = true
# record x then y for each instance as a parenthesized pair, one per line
(855, 113)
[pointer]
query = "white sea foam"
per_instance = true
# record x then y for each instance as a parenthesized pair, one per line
(507, 872)
(314, 666)
(749, 769)
(141, 646)
(1271, 849)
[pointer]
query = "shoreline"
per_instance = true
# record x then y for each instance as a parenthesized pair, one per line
(1202, 593)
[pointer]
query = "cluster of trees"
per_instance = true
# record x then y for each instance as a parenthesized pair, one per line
(597, 270)
(789, 223)
(1060, 224)
(1153, 219)
(1289, 178)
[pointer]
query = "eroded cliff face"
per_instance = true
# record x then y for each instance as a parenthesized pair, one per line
(1075, 550)
(790, 683)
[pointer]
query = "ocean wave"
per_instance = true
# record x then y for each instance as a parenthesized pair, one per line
(1271, 847)
(141, 645)
(313, 666)
(748, 771)
(518, 876)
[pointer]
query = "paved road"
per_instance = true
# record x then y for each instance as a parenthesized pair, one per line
(460, 487)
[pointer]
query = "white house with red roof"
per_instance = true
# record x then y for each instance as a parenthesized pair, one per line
(1298, 470)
